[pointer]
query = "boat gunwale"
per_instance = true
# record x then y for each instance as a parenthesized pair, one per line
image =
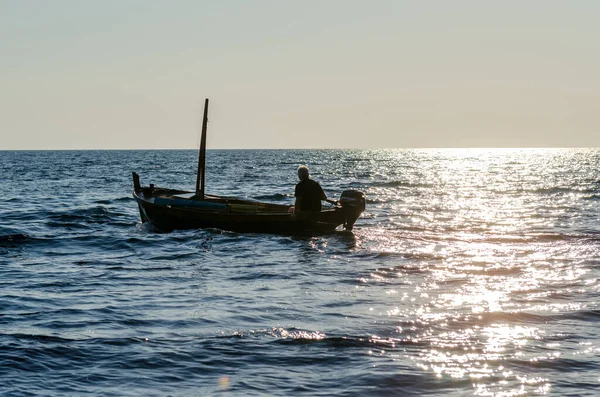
(220, 200)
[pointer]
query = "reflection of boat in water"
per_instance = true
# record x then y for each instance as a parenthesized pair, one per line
(169, 209)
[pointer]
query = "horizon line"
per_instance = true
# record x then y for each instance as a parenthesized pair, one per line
(323, 148)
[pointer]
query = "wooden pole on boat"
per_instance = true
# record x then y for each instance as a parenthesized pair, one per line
(202, 155)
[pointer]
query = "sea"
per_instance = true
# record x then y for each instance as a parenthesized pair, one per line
(472, 272)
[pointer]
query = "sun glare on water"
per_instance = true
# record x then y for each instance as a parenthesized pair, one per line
(482, 229)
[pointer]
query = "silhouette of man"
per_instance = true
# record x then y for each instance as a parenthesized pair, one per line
(308, 193)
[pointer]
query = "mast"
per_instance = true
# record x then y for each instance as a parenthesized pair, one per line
(202, 155)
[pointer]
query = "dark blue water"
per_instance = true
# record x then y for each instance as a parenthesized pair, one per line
(472, 272)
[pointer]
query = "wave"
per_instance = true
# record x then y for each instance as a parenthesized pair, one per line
(558, 363)
(544, 191)
(115, 200)
(592, 197)
(99, 213)
(583, 315)
(14, 240)
(84, 218)
(403, 184)
(292, 336)
(555, 190)
(38, 338)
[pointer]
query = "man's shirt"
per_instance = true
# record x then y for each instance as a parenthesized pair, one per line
(310, 194)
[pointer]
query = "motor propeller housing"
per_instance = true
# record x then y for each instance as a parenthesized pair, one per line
(354, 203)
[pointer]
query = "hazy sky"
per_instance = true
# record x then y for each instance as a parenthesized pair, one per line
(299, 74)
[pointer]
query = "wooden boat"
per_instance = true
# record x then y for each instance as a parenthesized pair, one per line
(170, 209)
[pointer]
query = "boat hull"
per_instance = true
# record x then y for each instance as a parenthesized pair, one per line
(168, 217)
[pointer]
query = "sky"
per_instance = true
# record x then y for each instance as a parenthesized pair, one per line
(133, 74)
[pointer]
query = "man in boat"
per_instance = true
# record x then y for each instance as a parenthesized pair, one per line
(308, 194)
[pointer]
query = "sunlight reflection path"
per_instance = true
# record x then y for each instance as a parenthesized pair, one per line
(481, 266)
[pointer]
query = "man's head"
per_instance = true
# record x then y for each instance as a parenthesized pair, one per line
(303, 172)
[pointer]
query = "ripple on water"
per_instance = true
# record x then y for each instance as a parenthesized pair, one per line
(472, 272)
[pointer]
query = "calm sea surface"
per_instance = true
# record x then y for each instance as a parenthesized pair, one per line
(472, 272)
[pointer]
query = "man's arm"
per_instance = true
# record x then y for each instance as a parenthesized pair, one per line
(324, 197)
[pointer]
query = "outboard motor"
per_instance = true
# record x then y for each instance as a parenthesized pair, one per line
(353, 203)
